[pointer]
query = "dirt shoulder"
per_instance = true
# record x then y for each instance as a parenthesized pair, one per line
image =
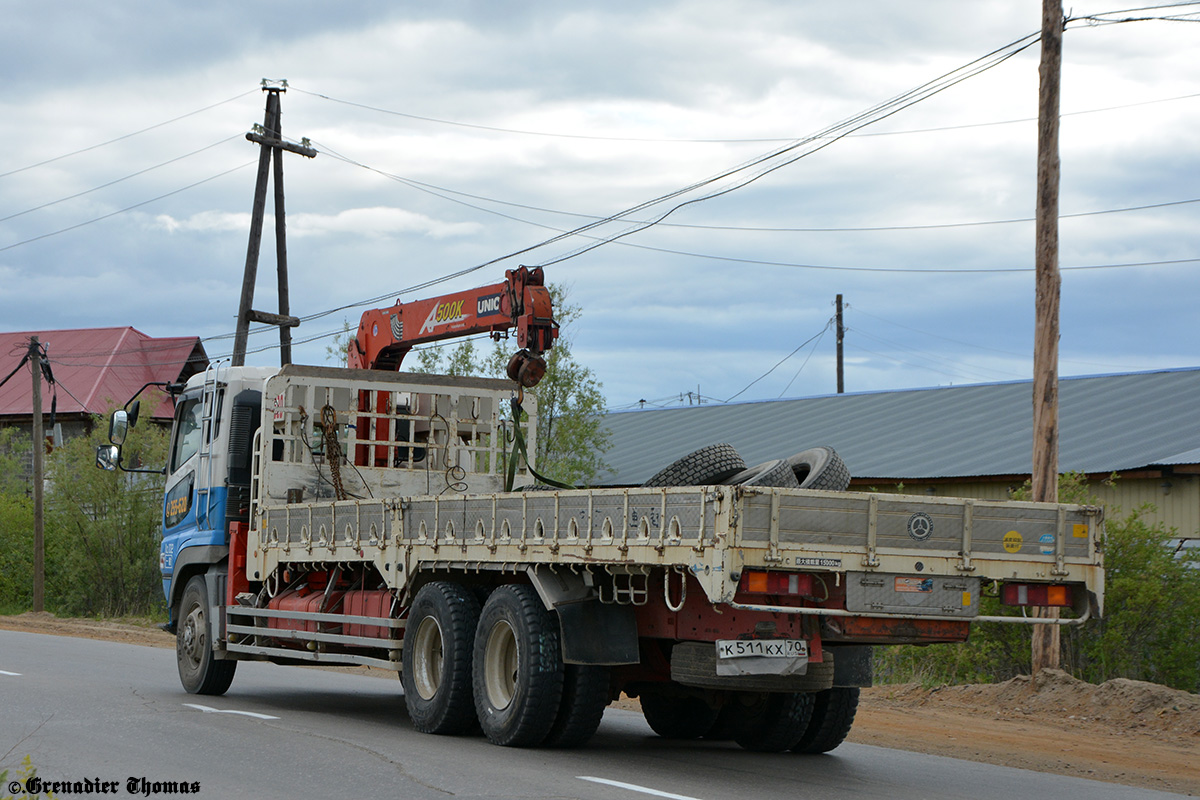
(1129, 732)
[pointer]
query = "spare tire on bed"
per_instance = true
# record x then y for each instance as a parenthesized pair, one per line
(705, 467)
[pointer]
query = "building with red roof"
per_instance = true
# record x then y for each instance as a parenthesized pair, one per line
(94, 370)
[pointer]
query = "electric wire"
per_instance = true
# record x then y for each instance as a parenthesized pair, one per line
(441, 192)
(816, 344)
(125, 136)
(78, 225)
(758, 140)
(120, 180)
(816, 335)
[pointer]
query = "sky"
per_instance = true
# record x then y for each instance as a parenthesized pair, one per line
(452, 135)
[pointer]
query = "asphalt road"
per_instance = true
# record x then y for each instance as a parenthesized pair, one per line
(109, 712)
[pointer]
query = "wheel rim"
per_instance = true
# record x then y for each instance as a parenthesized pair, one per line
(428, 658)
(193, 636)
(500, 665)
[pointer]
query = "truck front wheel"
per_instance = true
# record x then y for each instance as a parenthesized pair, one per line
(436, 670)
(200, 671)
(518, 668)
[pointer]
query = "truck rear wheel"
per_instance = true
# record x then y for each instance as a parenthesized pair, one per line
(518, 670)
(677, 716)
(774, 722)
(832, 717)
(584, 698)
(438, 642)
(200, 671)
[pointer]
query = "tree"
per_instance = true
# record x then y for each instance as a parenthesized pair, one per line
(104, 526)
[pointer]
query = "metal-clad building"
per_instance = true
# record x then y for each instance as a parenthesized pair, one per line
(969, 441)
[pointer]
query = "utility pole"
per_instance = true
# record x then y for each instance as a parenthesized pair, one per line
(841, 335)
(271, 140)
(1046, 641)
(39, 512)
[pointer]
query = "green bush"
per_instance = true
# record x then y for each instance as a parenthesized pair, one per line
(105, 527)
(101, 528)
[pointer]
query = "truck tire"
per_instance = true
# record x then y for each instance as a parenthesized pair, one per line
(774, 722)
(518, 670)
(584, 698)
(820, 468)
(832, 716)
(200, 671)
(772, 473)
(704, 467)
(438, 642)
(677, 716)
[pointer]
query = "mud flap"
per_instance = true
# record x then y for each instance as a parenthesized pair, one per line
(596, 633)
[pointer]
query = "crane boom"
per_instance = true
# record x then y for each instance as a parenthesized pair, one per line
(521, 302)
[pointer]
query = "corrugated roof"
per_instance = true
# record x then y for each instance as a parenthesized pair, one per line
(1106, 423)
(96, 367)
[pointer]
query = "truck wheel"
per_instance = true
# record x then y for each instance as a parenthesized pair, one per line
(438, 640)
(820, 468)
(832, 716)
(705, 467)
(518, 671)
(200, 671)
(775, 722)
(677, 716)
(584, 698)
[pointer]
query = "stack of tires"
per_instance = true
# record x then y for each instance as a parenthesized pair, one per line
(814, 468)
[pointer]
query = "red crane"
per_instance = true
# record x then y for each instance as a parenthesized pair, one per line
(521, 301)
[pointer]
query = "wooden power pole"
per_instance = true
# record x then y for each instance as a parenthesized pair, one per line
(841, 335)
(1046, 647)
(271, 140)
(39, 449)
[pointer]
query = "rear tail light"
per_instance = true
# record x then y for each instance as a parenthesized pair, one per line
(756, 581)
(1036, 594)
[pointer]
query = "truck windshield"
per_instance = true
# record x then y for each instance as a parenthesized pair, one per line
(187, 432)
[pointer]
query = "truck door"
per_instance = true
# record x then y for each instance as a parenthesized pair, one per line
(187, 505)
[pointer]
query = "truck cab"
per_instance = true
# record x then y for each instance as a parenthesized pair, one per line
(208, 471)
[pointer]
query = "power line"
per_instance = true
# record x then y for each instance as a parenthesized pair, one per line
(769, 163)
(125, 136)
(816, 335)
(127, 208)
(668, 140)
(442, 191)
(119, 180)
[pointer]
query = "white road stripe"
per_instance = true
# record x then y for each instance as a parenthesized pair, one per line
(13, 674)
(208, 710)
(633, 787)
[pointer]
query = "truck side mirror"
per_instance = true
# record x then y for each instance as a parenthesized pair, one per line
(108, 456)
(118, 427)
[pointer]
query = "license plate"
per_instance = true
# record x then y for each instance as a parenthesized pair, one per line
(763, 648)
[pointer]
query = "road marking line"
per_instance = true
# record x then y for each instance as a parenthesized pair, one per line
(13, 674)
(633, 787)
(209, 710)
